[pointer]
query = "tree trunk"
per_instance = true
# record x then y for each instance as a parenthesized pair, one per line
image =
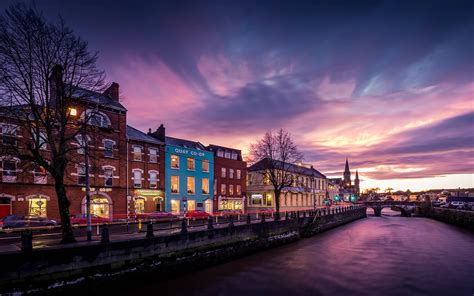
(63, 203)
(277, 204)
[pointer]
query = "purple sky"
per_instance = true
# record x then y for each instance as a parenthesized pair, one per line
(389, 84)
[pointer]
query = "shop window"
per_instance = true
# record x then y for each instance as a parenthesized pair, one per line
(9, 171)
(40, 175)
(208, 206)
(9, 134)
(223, 189)
(223, 172)
(174, 161)
(231, 189)
(137, 179)
(108, 148)
(139, 206)
(190, 162)
(100, 206)
(175, 206)
(81, 174)
(238, 190)
(267, 199)
(191, 205)
(37, 207)
(137, 153)
(174, 184)
(205, 165)
(256, 199)
(191, 185)
(205, 186)
(153, 179)
(231, 173)
(108, 176)
(239, 174)
(153, 155)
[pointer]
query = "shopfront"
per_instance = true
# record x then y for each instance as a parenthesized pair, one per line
(101, 205)
(230, 203)
(148, 200)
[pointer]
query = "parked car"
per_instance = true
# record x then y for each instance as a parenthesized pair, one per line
(25, 221)
(82, 219)
(457, 204)
(197, 214)
(156, 216)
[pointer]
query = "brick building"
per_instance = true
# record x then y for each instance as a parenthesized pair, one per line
(115, 167)
(230, 175)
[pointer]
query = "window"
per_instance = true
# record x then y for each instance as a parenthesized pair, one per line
(137, 178)
(266, 180)
(153, 155)
(9, 134)
(81, 174)
(227, 154)
(220, 153)
(223, 189)
(223, 173)
(153, 179)
(191, 205)
(231, 189)
(37, 207)
(267, 200)
(9, 171)
(82, 142)
(256, 199)
(205, 165)
(108, 148)
(137, 153)
(108, 176)
(239, 174)
(139, 206)
(175, 206)
(191, 185)
(231, 173)
(174, 184)
(190, 162)
(41, 141)
(96, 118)
(174, 161)
(238, 190)
(205, 186)
(234, 155)
(40, 176)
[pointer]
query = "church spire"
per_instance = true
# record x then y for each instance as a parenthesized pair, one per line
(347, 175)
(357, 183)
(347, 166)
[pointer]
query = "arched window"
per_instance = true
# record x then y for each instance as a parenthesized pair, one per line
(96, 118)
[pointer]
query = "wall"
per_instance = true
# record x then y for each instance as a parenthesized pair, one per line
(164, 255)
(452, 216)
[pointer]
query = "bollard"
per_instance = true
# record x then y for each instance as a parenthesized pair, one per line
(188, 221)
(104, 238)
(149, 230)
(286, 215)
(249, 219)
(263, 218)
(98, 230)
(209, 223)
(217, 217)
(184, 227)
(139, 225)
(238, 217)
(231, 221)
(256, 216)
(26, 241)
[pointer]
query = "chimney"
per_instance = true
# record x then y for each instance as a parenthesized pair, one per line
(159, 134)
(113, 91)
(55, 82)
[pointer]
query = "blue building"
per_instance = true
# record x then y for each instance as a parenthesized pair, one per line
(189, 174)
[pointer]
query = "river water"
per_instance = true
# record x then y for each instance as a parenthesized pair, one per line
(388, 255)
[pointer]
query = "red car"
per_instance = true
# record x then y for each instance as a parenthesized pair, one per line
(156, 216)
(82, 219)
(197, 214)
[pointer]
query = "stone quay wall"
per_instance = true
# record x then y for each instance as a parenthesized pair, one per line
(452, 216)
(166, 255)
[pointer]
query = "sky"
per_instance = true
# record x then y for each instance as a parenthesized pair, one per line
(387, 84)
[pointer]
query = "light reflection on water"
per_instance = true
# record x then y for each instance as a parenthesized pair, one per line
(388, 255)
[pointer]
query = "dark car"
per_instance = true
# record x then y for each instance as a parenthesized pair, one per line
(25, 221)
(156, 216)
(82, 219)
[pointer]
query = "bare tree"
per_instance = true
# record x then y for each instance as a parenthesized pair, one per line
(45, 72)
(280, 156)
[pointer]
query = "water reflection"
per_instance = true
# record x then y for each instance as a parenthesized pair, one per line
(388, 255)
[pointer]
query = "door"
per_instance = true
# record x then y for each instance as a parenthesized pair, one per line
(208, 206)
(175, 206)
(5, 207)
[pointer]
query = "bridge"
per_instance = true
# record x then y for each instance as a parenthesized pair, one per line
(406, 208)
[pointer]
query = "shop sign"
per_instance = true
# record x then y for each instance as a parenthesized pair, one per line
(188, 152)
(148, 192)
(99, 190)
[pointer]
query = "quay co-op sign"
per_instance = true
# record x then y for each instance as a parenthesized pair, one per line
(189, 152)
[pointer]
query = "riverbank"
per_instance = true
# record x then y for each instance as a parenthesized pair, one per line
(453, 216)
(164, 255)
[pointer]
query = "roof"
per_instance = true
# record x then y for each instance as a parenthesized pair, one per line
(264, 163)
(184, 143)
(136, 135)
(97, 98)
(214, 148)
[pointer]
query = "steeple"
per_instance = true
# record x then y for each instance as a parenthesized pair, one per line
(356, 183)
(347, 175)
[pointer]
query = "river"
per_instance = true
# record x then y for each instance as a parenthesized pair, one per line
(387, 255)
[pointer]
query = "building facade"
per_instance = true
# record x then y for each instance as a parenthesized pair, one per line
(230, 175)
(189, 175)
(307, 191)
